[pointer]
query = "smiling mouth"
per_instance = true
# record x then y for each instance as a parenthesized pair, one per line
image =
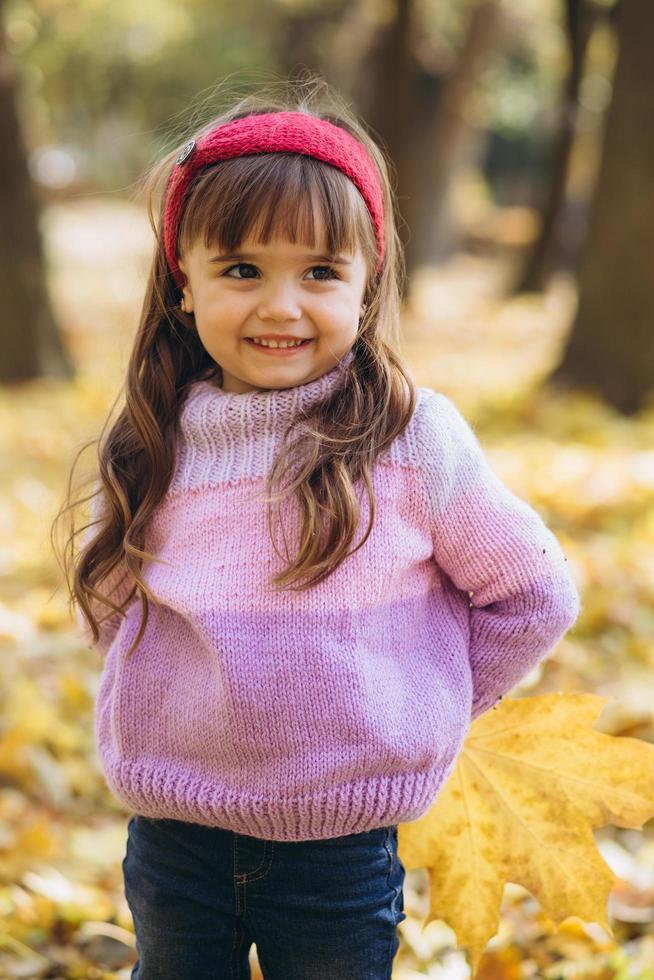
(277, 349)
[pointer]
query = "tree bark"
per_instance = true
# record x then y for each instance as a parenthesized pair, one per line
(451, 141)
(30, 341)
(611, 347)
(390, 82)
(548, 251)
(419, 111)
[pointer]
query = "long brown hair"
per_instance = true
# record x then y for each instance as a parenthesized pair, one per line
(339, 438)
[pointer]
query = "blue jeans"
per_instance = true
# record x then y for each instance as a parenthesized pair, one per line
(317, 910)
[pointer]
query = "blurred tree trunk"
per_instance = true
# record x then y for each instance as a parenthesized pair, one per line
(306, 35)
(391, 80)
(30, 343)
(392, 93)
(611, 347)
(451, 142)
(419, 109)
(548, 250)
(414, 104)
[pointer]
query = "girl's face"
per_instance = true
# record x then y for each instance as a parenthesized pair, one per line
(280, 290)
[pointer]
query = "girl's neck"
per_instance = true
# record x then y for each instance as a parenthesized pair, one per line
(224, 438)
(263, 403)
(304, 391)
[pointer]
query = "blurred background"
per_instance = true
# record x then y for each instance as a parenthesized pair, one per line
(522, 137)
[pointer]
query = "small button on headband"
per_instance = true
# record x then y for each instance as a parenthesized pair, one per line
(272, 132)
(187, 149)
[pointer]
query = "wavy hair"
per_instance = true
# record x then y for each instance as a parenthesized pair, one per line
(337, 441)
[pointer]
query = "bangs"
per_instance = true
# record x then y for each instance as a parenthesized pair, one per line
(277, 195)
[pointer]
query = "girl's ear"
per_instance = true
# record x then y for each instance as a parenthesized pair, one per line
(186, 303)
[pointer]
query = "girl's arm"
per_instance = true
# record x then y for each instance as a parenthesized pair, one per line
(116, 586)
(493, 544)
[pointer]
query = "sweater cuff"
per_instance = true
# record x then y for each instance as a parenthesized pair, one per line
(511, 636)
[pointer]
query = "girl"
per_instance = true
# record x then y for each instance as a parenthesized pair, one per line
(271, 715)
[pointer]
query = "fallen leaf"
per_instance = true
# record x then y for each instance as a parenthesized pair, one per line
(532, 781)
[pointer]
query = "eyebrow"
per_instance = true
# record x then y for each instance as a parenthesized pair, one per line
(333, 259)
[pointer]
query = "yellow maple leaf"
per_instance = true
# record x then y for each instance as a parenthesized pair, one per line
(531, 782)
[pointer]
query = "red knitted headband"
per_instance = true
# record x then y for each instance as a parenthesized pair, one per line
(293, 132)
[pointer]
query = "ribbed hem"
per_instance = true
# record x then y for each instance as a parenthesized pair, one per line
(348, 809)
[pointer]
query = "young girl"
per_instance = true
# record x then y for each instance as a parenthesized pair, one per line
(270, 713)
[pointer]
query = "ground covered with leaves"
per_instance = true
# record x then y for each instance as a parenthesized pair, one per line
(586, 469)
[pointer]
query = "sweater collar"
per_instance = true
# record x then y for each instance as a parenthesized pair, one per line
(207, 404)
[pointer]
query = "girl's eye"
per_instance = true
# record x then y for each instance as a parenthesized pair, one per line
(239, 265)
(332, 274)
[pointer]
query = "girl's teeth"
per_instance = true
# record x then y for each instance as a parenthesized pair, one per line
(274, 343)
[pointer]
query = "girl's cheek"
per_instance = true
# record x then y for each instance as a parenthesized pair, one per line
(225, 303)
(339, 310)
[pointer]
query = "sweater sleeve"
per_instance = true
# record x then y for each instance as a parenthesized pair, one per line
(492, 544)
(116, 586)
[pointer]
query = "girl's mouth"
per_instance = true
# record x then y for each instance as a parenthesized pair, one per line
(279, 351)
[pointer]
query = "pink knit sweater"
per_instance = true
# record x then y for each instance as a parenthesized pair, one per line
(296, 716)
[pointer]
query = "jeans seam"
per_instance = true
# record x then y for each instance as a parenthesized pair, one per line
(238, 936)
(390, 857)
(232, 959)
(264, 867)
(237, 885)
(257, 873)
(389, 851)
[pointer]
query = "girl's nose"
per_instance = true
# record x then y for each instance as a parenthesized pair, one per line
(279, 303)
